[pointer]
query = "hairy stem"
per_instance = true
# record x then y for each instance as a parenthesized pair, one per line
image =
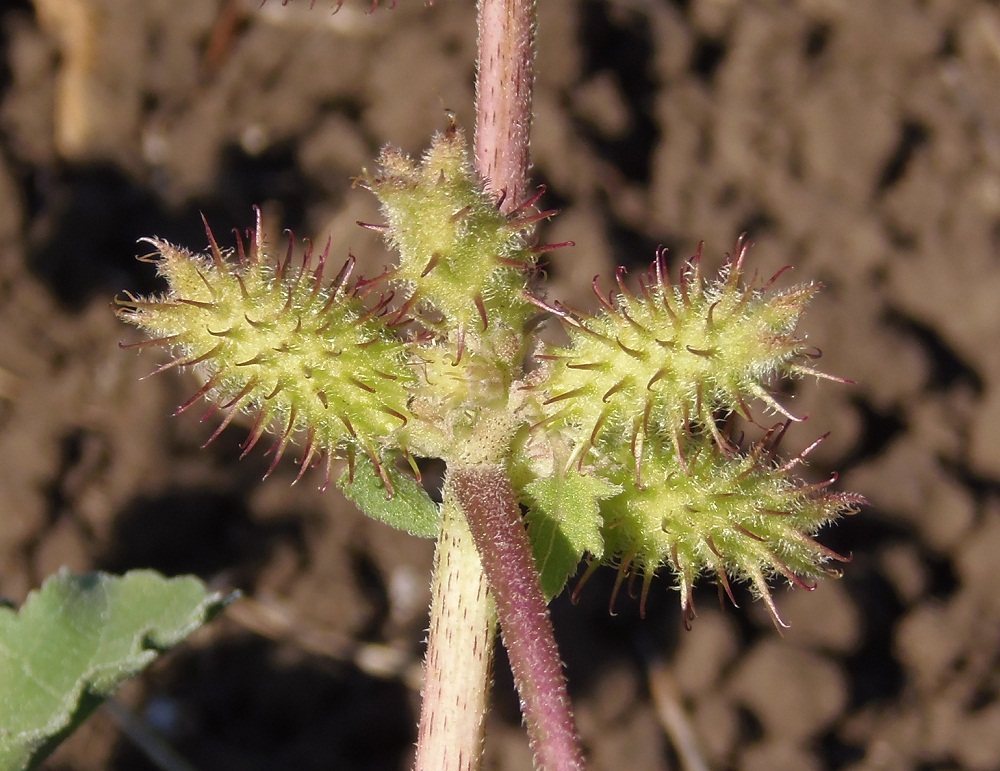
(459, 662)
(494, 516)
(505, 77)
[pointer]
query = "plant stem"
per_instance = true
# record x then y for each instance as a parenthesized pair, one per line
(458, 665)
(494, 516)
(461, 631)
(459, 662)
(504, 82)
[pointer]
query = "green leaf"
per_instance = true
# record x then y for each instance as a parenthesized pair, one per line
(409, 508)
(564, 523)
(75, 641)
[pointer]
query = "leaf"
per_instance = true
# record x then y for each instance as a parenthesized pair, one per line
(409, 508)
(76, 640)
(564, 523)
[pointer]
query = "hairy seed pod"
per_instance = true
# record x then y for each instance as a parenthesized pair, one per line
(705, 511)
(462, 264)
(673, 355)
(269, 338)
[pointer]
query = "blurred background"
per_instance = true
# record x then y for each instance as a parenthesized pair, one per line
(858, 142)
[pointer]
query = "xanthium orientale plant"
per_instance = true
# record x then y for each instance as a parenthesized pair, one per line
(617, 443)
(632, 401)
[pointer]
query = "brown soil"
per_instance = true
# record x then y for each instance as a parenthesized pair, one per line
(858, 141)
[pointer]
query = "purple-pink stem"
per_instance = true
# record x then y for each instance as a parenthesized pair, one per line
(491, 508)
(504, 82)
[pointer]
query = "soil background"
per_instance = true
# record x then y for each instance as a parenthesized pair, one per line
(859, 142)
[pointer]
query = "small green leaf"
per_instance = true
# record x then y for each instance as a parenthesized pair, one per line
(75, 641)
(409, 508)
(564, 522)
